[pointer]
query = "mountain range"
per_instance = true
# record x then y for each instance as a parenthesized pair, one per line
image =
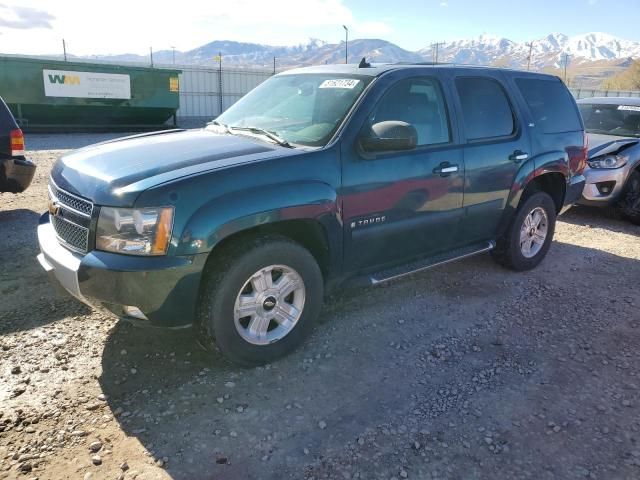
(590, 56)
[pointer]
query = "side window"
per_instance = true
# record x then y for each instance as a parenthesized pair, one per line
(418, 101)
(550, 103)
(485, 108)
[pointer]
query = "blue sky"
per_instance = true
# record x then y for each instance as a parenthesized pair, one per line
(132, 26)
(412, 21)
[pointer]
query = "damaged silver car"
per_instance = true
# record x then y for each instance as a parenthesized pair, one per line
(613, 172)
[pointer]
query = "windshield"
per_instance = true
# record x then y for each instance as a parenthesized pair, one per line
(303, 109)
(620, 120)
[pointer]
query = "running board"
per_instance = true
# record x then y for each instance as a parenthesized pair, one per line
(430, 262)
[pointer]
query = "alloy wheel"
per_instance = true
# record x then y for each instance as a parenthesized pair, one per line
(269, 304)
(533, 232)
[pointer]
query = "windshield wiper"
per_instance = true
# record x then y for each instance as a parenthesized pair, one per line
(218, 124)
(261, 131)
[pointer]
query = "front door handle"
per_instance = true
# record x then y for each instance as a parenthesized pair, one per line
(445, 169)
(518, 156)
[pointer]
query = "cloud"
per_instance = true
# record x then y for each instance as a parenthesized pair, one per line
(444, 4)
(142, 23)
(281, 12)
(371, 28)
(24, 18)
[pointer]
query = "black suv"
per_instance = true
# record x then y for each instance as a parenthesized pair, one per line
(318, 176)
(16, 172)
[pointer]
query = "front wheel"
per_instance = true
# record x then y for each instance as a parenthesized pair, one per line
(528, 238)
(629, 204)
(260, 301)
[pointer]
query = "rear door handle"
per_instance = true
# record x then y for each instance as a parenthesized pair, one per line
(445, 169)
(518, 156)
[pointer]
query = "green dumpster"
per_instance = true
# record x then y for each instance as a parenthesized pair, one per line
(59, 95)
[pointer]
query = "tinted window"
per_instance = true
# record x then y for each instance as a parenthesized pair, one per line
(485, 108)
(551, 104)
(417, 101)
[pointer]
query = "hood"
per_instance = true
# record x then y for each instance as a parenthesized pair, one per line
(607, 144)
(116, 172)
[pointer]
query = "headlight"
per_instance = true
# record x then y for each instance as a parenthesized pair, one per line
(609, 161)
(135, 231)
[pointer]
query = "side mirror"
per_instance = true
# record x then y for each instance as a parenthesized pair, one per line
(389, 136)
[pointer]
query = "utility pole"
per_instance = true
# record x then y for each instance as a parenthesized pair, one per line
(173, 51)
(151, 55)
(346, 44)
(64, 49)
(530, 45)
(220, 78)
(434, 48)
(274, 65)
(566, 62)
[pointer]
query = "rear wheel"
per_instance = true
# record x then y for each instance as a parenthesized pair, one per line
(629, 205)
(260, 301)
(528, 238)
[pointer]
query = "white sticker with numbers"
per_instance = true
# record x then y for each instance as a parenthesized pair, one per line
(340, 83)
(630, 108)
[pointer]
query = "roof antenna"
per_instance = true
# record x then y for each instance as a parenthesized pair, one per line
(364, 63)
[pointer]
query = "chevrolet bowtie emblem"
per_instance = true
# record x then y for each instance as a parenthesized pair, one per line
(54, 208)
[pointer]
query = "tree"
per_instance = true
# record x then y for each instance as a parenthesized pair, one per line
(627, 80)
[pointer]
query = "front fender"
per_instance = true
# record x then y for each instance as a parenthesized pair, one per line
(238, 211)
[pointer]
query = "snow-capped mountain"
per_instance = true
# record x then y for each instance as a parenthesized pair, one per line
(548, 51)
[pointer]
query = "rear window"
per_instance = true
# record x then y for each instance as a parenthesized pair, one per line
(485, 108)
(551, 105)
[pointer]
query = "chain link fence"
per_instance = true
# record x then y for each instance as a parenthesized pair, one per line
(579, 93)
(205, 92)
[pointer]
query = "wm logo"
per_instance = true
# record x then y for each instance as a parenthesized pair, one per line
(64, 79)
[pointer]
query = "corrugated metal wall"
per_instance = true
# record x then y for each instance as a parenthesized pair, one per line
(200, 94)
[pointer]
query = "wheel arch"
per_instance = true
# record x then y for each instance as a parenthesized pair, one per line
(308, 232)
(548, 173)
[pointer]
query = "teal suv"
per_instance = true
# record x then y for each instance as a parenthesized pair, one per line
(320, 176)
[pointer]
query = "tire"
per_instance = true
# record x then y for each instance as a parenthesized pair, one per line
(239, 277)
(513, 254)
(629, 204)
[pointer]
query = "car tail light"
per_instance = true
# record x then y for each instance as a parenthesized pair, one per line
(16, 139)
(578, 157)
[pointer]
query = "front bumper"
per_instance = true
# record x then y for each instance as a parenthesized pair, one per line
(164, 289)
(591, 195)
(16, 174)
(573, 192)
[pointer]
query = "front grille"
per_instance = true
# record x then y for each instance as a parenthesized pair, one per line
(72, 218)
(75, 203)
(72, 235)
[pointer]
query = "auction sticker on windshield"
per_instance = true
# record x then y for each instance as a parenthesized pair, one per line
(630, 108)
(339, 83)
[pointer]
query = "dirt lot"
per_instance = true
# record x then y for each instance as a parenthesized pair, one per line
(466, 371)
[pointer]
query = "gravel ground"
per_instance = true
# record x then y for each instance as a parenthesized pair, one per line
(465, 371)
